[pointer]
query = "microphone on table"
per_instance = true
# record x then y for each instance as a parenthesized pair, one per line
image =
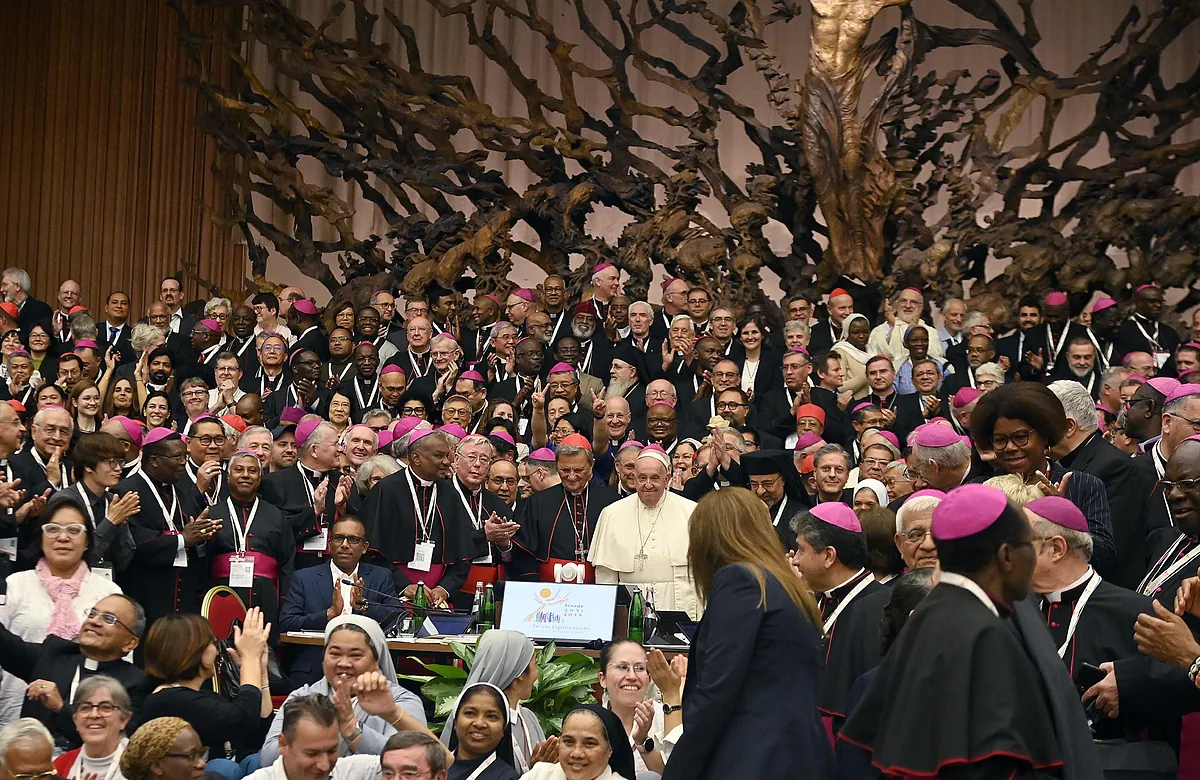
(394, 597)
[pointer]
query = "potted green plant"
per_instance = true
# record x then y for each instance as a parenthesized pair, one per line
(563, 684)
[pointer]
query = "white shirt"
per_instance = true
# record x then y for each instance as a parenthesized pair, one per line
(346, 768)
(338, 577)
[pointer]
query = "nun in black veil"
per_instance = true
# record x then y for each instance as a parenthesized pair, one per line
(481, 735)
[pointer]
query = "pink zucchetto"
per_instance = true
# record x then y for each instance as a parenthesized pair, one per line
(454, 429)
(131, 427)
(472, 375)
(383, 438)
(561, 368)
(524, 294)
(657, 453)
(1182, 391)
(1163, 384)
(418, 435)
(404, 426)
(1059, 511)
(965, 397)
(391, 368)
(935, 435)
(807, 440)
(967, 510)
(504, 436)
(1102, 304)
(304, 431)
(1056, 298)
(837, 514)
(157, 435)
(305, 306)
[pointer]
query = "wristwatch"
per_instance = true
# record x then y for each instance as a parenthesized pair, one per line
(646, 747)
(669, 708)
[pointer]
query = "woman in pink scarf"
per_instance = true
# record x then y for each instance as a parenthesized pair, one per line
(53, 597)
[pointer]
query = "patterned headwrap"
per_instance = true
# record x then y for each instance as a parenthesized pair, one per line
(150, 743)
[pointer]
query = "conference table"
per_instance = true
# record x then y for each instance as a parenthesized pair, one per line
(440, 645)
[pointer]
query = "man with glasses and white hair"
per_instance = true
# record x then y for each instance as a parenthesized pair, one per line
(45, 466)
(491, 518)
(15, 286)
(27, 750)
(110, 630)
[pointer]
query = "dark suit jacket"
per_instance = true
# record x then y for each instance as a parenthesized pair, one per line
(285, 489)
(124, 347)
(31, 312)
(1130, 339)
(316, 340)
(309, 597)
(752, 679)
(1127, 487)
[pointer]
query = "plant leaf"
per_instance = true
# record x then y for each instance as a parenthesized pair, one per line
(465, 652)
(447, 671)
(421, 678)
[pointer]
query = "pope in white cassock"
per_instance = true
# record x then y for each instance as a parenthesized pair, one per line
(643, 539)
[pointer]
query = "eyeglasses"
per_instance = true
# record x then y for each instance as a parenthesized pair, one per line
(71, 529)
(1185, 485)
(199, 754)
(730, 405)
(625, 668)
(1194, 423)
(875, 462)
(103, 708)
(916, 535)
(412, 411)
(194, 393)
(109, 618)
(340, 539)
(61, 430)
(766, 484)
(407, 774)
(1018, 439)
(273, 349)
(208, 441)
(503, 480)
(39, 776)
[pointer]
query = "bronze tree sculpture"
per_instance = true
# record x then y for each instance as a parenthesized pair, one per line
(874, 172)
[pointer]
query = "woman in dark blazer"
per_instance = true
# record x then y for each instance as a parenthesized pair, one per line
(749, 707)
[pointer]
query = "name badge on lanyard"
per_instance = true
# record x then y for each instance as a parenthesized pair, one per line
(423, 550)
(241, 568)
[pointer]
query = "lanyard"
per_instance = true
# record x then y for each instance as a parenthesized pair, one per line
(370, 396)
(1160, 468)
(779, 512)
(859, 588)
(207, 354)
(1153, 340)
(586, 363)
(1151, 583)
(345, 371)
(263, 387)
(242, 349)
(309, 490)
(416, 364)
(1101, 358)
(476, 516)
(87, 505)
(1052, 358)
(478, 771)
(426, 522)
(62, 470)
(1093, 583)
(241, 535)
(77, 768)
(169, 516)
(216, 485)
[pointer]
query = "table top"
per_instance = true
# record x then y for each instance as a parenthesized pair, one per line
(437, 645)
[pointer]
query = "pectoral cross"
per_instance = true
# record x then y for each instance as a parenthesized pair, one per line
(641, 559)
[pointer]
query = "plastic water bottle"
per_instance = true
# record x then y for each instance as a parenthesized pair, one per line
(637, 615)
(420, 608)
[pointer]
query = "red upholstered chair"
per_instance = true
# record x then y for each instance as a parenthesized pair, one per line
(221, 608)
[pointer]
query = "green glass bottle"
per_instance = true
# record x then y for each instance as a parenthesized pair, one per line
(637, 614)
(487, 615)
(420, 608)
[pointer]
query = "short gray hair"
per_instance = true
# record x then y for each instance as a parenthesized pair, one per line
(323, 429)
(566, 450)
(253, 430)
(948, 457)
(19, 277)
(385, 463)
(974, 319)
(914, 506)
(90, 685)
(682, 318)
(216, 302)
(40, 417)
(143, 334)
(796, 326)
(475, 438)
(193, 381)
(372, 414)
(435, 754)
(992, 370)
(22, 728)
(83, 328)
(831, 449)
(1077, 541)
(642, 305)
(1077, 403)
(1113, 376)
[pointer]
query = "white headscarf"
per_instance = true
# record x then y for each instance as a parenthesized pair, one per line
(378, 642)
(876, 487)
(844, 346)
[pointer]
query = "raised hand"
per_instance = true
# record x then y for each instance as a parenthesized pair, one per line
(124, 507)
(664, 675)
(251, 638)
(545, 752)
(33, 507)
(342, 494)
(11, 494)
(643, 719)
(599, 404)
(54, 467)
(338, 603)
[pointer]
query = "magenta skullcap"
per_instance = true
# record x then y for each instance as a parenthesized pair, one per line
(304, 430)
(917, 290)
(1192, 344)
(453, 429)
(927, 493)
(1182, 391)
(1163, 384)
(473, 375)
(494, 299)
(542, 454)
(210, 324)
(1059, 511)
(667, 283)
(404, 426)
(837, 514)
(418, 435)
(964, 397)
(524, 294)
(1102, 304)
(967, 510)
(561, 368)
(25, 353)
(1056, 298)
(383, 438)
(893, 438)
(86, 343)
(305, 306)
(1141, 287)
(935, 435)
(602, 267)
(504, 436)
(131, 427)
(862, 405)
(801, 350)
(807, 439)
(631, 444)
(392, 368)
(157, 435)
(291, 415)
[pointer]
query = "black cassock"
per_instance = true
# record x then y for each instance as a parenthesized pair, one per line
(363, 394)
(390, 514)
(291, 491)
(550, 528)
(964, 689)
(268, 535)
(848, 651)
(152, 578)
(478, 507)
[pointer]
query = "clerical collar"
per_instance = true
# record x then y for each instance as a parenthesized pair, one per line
(1057, 595)
(852, 579)
(420, 481)
(91, 664)
(476, 492)
(310, 473)
(972, 587)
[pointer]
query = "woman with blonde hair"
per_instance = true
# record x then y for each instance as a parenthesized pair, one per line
(756, 656)
(1015, 488)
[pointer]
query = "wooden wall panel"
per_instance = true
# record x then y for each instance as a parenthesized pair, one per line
(104, 177)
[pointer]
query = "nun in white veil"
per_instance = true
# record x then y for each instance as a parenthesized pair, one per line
(508, 660)
(354, 645)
